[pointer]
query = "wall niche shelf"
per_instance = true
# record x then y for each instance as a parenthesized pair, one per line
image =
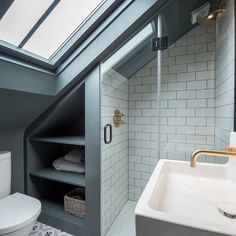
(52, 208)
(71, 122)
(71, 140)
(61, 176)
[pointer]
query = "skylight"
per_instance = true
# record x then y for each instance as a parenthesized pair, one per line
(59, 25)
(18, 21)
(42, 27)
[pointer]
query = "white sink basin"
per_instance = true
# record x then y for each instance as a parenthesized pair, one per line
(180, 200)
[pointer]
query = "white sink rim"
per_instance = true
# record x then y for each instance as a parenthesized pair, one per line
(144, 209)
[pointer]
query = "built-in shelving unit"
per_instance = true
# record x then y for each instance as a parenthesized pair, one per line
(50, 185)
(64, 126)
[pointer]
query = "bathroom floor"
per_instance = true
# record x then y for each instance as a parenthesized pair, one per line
(41, 229)
(124, 224)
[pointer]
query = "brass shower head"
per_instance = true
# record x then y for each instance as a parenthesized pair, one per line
(211, 17)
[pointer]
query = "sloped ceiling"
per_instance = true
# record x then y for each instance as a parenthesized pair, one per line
(176, 21)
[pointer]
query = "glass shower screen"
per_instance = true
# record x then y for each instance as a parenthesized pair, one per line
(129, 118)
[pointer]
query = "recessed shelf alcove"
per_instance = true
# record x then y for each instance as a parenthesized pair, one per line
(71, 122)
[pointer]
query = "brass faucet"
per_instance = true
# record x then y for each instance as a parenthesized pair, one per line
(227, 152)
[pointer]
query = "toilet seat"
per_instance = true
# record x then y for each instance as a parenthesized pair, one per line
(17, 211)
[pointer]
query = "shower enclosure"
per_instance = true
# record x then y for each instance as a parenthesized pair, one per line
(163, 95)
(135, 97)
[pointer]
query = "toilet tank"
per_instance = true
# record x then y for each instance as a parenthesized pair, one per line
(5, 173)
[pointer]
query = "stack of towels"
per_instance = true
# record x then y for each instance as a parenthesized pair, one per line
(72, 161)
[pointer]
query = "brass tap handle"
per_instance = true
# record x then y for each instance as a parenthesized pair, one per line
(118, 113)
(117, 118)
(229, 148)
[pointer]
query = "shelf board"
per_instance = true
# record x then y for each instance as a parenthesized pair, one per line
(73, 140)
(55, 209)
(61, 176)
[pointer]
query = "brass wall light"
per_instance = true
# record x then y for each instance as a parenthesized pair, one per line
(117, 118)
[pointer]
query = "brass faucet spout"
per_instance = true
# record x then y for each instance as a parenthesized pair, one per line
(228, 152)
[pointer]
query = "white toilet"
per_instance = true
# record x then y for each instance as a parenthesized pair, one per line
(18, 212)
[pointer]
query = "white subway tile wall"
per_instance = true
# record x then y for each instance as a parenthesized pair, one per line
(142, 128)
(196, 111)
(225, 61)
(187, 106)
(114, 156)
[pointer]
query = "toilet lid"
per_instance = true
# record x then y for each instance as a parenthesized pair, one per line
(16, 211)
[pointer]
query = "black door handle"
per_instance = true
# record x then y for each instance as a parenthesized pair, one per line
(107, 141)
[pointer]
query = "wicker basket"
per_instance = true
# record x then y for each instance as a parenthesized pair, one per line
(74, 202)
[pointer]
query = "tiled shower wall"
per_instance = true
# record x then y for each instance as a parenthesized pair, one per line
(142, 128)
(114, 156)
(197, 100)
(225, 73)
(187, 106)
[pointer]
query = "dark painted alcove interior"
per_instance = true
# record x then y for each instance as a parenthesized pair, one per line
(18, 110)
(65, 117)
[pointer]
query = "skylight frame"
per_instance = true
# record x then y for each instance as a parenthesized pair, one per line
(58, 27)
(128, 47)
(78, 28)
(26, 57)
(86, 30)
(79, 36)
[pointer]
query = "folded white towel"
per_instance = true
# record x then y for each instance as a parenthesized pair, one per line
(76, 155)
(62, 164)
